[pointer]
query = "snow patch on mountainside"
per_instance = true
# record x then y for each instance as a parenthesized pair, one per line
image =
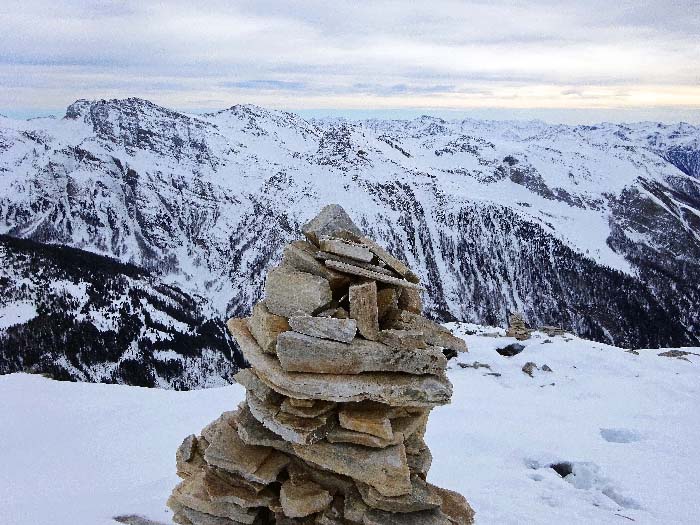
(606, 436)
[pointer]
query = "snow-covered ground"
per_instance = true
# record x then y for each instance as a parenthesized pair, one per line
(629, 425)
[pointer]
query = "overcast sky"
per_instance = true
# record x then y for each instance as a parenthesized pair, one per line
(567, 59)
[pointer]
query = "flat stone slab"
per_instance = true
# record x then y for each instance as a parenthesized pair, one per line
(455, 506)
(252, 383)
(302, 353)
(364, 309)
(369, 274)
(291, 428)
(434, 333)
(228, 489)
(252, 432)
(402, 339)
(349, 249)
(301, 255)
(254, 463)
(330, 220)
(424, 517)
(289, 292)
(191, 493)
(266, 326)
(395, 389)
(422, 497)
(325, 256)
(370, 418)
(314, 408)
(300, 499)
(386, 469)
(342, 330)
(391, 261)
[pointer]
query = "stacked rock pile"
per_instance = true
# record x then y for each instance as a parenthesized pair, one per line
(518, 328)
(344, 372)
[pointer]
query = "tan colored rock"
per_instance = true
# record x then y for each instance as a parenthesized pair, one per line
(389, 259)
(189, 457)
(252, 432)
(325, 256)
(403, 339)
(434, 333)
(422, 497)
(411, 301)
(289, 292)
(387, 302)
(364, 309)
(186, 516)
(303, 499)
(343, 435)
(517, 328)
(254, 463)
(266, 326)
(344, 248)
(302, 353)
(312, 409)
(331, 220)
(191, 493)
(342, 330)
(390, 388)
(455, 506)
(253, 384)
(424, 517)
(385, 469)
(370, 418)
(353, 269)
(301, 255)
(228, 489)
(355, 507)
(291, 428)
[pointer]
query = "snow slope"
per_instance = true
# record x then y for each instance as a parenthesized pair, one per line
(79, 454)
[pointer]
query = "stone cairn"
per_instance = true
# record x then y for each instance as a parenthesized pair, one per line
(344, 372)
(518, 328)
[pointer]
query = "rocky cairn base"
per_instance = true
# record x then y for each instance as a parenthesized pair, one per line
(344, 372)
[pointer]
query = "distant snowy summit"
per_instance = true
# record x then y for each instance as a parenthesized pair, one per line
(591, 228)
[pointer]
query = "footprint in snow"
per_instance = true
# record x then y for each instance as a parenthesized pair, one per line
(620, 435)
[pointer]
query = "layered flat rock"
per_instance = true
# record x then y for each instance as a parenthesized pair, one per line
(343, 435)
(228, 489)
(252, 432)
(369, 418)
(331, 220)
(342, 330)
(349, 249)
(393, 389)
(364, 309)
(301, 255)
(300, 499)
(455, 506)
(291, 428)
(391, 261)
(434, 333)
(325, 256)
(306, 407)
(353, 269)
(266, 326)
(424, 517)
(191, 493)
(254, 463)
(302, 353)
(422, 497)
(386, 469)
(249, 380)
(402, 339)
(289, 292)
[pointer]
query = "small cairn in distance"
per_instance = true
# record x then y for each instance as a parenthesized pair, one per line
(344, 373)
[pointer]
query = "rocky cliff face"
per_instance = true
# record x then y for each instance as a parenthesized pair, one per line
(594, 228)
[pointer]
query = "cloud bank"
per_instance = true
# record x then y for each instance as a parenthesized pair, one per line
(443, 55)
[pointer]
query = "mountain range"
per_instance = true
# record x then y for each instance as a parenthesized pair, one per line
(592, 228)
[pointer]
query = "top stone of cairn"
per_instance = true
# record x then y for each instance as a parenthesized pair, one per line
(344, 373)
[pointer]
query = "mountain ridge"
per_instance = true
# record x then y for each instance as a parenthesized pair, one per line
(496, 216)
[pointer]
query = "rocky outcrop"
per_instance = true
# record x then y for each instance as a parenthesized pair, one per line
(337, 402)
